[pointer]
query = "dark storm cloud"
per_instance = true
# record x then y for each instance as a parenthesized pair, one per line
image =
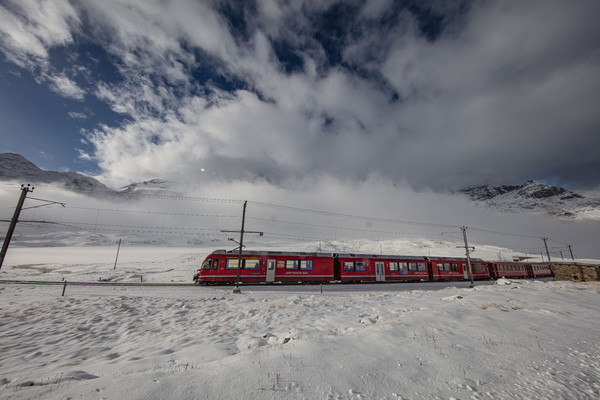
(437, 94)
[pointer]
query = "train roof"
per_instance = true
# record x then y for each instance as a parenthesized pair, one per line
(380, 256)
(341, 255)
(453, 259)
(316, 254)
(273, 253)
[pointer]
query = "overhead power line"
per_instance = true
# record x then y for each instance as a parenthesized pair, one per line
(151, 212)
(351, 216)
(110, 194)
(278, 207)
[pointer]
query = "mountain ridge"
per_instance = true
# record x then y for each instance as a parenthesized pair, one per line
(530, 197)
(16, 167)
(535, 197)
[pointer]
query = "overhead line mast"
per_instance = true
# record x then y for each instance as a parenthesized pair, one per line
(13, 222)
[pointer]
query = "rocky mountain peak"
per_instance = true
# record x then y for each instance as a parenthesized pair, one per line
(15, 167)
(536, 197)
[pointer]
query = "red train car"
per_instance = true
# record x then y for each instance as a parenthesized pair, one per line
(481, 269)
(503, 269)
(447, 268)
(265, 266)
(380, 268)
(541, 270)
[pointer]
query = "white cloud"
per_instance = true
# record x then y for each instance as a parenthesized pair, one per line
(30, 27)
(505, 88)
(66, 87)
(77, 115)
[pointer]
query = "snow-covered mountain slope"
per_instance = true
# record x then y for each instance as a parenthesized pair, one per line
(14, 167)
(536, 197)
(153, 187)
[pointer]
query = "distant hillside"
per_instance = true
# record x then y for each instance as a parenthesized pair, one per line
(14, 167)
(535, 197)
(153, 187)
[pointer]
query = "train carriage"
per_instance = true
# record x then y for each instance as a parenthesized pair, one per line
(265, 266)
(503, 269)
(540, 270)
(481, 269)
(449, 268)
(381, 268)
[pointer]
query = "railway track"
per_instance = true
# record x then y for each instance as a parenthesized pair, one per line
(101, 283)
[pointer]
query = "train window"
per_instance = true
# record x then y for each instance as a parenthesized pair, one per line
(421, 267)
(348, 265)
(393, 266)
(251, 264)
(291, 264)
(306, 264)
(454, 267)
(361, 266)
(232, 263)
(215, 263)
(443, 266)
(404, 268)
(412, 266)
(206, 264)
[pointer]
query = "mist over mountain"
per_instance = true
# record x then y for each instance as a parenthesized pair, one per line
(323, 213)
(529, 197)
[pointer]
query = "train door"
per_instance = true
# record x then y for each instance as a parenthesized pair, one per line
(465, 268)
(271, 270)
(337, 270)
(429, 269)
(214, 269)
(380, 272)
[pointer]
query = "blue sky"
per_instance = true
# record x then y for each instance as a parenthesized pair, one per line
(431, 94)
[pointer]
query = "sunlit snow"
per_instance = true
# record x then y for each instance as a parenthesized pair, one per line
(514, 339)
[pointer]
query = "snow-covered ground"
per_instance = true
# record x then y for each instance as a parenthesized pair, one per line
(515, 339)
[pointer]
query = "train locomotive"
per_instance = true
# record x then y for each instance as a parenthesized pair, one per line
(221, 267)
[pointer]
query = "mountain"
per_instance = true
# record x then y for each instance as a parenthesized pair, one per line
(153, 187)
(530, 197)
(535, 197)
(14, 167)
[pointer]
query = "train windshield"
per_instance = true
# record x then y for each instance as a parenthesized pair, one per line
(206, 264)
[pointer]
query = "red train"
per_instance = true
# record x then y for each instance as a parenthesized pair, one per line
(520, 270)
(221, 267)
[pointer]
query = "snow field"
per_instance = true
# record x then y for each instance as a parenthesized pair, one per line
(522, 339)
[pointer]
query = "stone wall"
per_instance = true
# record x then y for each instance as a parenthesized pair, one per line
(578, 272)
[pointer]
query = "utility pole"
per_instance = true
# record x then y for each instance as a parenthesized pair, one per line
(571, 251)
(241, 243)
(464, 230)
(15, 219)
(545, 239)
(117, 257)
(237, 283)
